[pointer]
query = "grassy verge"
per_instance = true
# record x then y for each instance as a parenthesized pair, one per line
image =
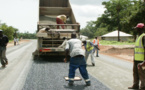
(103, 42)
(10, 41)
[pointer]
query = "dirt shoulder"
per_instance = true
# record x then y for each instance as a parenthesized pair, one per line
(10, 44)
(124, 52)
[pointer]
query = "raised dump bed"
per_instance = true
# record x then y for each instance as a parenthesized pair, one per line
(48, 11)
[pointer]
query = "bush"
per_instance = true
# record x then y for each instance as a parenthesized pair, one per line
(104, 42)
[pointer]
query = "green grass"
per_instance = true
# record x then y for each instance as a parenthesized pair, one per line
(103, 42)
(10, 41)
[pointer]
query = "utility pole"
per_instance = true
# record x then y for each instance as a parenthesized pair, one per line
(118, 10)
(15, 33)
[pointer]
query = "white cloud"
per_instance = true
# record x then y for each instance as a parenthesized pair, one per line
(23, 14)
(87, 2)
(87, 13)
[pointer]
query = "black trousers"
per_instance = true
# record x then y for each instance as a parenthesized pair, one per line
(138, 75)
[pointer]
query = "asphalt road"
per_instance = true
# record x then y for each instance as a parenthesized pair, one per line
(112, 72)
(25, 73)
(46, 74)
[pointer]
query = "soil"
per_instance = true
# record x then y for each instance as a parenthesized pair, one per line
(125, 52)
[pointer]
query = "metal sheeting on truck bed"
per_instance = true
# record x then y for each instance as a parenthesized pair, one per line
(54, 3)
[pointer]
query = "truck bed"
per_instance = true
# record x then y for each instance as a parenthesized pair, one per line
(50, 20)
(48, 11)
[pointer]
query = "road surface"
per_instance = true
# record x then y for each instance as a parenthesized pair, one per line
(25, 73)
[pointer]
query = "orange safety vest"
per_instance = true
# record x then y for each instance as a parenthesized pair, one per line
(97, 42)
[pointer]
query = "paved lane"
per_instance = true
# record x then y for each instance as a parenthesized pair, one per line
(20, 59)
(46, 74)
(113, 72)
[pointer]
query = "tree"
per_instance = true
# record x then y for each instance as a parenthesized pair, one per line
(27, 35)
(89, 30)
(130, 13)
(8, 30)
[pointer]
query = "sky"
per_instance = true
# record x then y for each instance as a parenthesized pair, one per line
(23, 14)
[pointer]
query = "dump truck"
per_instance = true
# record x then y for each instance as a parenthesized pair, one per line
(48, 43)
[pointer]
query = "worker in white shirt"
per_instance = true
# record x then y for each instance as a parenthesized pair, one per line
(77, 60)
(63, 44)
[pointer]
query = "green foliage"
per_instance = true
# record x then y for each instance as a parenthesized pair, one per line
(101, 31)
(89, 30)
(27, 35)
(104, 42)
(8, 30)
(131, 40)
(12, 32)
(138, 15)
(119, 13)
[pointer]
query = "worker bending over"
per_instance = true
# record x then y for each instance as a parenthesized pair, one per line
(77, 60)
(61, 19)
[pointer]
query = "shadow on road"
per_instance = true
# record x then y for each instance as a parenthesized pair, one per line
(2, 68)
(47, 59)
(75, 87)
(90, 65)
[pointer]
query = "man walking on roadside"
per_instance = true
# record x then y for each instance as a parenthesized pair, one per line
(3, 43)
(139, 58)
(18, 41)
(15, 41)
(77, 60)
(89, 47)
(96, 46)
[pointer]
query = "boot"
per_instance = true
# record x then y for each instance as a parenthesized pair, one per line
(97, 56)
(88, 83)
(6, 62)
(3, 66)
(93, 64)
(133, 87)
(71, 83)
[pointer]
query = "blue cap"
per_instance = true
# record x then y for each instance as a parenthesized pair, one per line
(1, 30)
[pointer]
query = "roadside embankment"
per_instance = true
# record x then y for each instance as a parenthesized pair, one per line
(124, 52)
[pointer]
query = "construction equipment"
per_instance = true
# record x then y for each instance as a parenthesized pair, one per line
(47, 43)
